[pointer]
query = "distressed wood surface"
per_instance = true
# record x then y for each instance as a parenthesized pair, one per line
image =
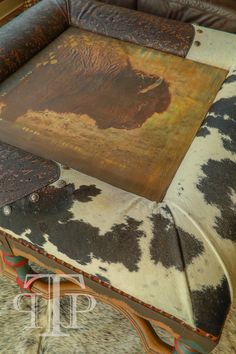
(111, 109)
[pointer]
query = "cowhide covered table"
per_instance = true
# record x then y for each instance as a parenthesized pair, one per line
(118, 162)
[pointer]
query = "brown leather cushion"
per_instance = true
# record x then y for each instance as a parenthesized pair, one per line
(29, 33)
(230, 4)
(218, 14)
(131, 4)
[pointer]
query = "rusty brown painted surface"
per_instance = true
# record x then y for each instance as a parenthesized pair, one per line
(22, 173)
(111, 109)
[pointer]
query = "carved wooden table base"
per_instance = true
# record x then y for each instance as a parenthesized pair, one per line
(16, 267)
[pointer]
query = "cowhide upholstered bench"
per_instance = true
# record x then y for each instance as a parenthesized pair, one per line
(118, 162)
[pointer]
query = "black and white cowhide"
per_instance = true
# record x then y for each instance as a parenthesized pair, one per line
(202, 198)
(178, 255)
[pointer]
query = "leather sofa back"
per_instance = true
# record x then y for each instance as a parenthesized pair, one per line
(132, 26)
(218, 14)
(131, 4)
(215, 14)
(29, 33)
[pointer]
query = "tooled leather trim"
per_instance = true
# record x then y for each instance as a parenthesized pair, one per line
(207, 7)
(30, 32)
(22, 173)
(132, 26)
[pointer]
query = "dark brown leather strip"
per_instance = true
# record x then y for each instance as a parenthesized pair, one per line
(132, 26)
(22, 173)
(29, 33)
(218, 14)
(131, 4)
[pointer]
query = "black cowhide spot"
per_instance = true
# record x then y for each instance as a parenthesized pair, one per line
(223, 117)
(77, 239)
(85, 193)
(180, 189)
(203, 131)
(218, 185)
(103, 269)
(84, 242)
(172, 246)
(230, 79)
(225, 125)
(210, 307)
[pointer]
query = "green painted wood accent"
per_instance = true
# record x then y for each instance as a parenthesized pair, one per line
(20, 264)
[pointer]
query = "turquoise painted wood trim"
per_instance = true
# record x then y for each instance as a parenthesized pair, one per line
(20, 264)
(187, 347)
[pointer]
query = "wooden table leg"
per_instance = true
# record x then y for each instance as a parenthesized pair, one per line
(17, 267)
(187, 348)
(19, 264)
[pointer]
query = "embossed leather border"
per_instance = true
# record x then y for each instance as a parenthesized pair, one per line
(22, 173)
(33, 30)
(133, 26)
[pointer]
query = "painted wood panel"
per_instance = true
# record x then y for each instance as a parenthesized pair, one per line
(116, 111)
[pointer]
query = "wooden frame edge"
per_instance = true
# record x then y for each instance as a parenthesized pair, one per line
(148, 337)
(176, 328)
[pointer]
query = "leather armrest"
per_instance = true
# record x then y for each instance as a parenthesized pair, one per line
(217, 14)
(132, 26)
(29, 33)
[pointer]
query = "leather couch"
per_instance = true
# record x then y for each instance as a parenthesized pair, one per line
(217, 14)
(140, 200)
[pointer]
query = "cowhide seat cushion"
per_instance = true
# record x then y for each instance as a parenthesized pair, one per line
(157, 224)
(177, 255)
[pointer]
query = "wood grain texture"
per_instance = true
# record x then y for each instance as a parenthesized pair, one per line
(113, 110)
(11, 15)
(151, 342)
(149, 338)
(170, 324)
